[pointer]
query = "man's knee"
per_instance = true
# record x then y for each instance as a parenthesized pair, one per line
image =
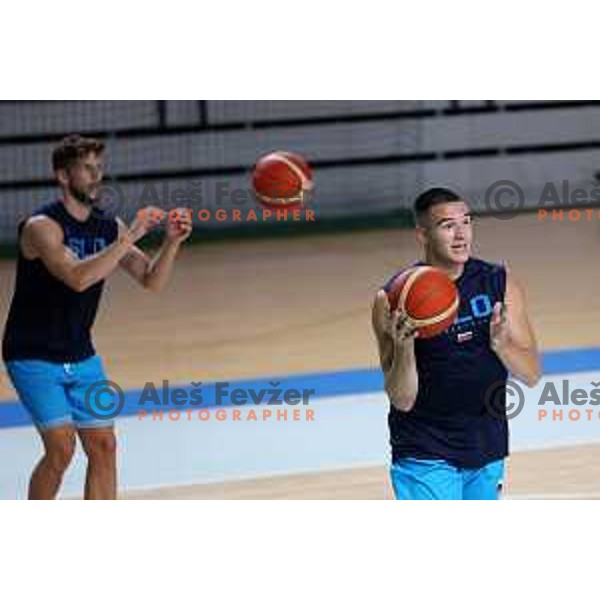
(59, 450)
(101, 447)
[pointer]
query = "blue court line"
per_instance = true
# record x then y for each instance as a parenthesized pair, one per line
(325, 385)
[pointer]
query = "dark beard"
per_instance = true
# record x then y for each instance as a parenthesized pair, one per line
(81, 196)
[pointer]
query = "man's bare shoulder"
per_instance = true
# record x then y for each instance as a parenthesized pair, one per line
(36, 229)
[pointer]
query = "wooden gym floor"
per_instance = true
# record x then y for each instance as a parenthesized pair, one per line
(275, 307)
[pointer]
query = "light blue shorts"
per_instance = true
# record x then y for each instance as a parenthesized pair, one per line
(55, 393)
(416, 479)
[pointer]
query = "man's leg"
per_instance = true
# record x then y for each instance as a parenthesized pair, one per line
(100, 446)
(59, 446)
(484, 483)
(95, 431)
(40, 387)
(416, 479)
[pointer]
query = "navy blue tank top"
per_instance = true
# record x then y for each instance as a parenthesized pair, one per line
(456, 369)
(47, 319)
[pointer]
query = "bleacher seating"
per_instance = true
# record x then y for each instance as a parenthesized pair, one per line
(370, 156)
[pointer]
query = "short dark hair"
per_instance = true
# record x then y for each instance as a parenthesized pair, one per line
(72, 148)
(433, 197)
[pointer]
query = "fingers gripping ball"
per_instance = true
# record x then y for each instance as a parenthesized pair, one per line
(281, 180)
(428, 297)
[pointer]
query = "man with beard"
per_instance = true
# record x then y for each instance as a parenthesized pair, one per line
(66, 251)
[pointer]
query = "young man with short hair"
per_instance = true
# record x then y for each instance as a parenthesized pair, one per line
(446, 443)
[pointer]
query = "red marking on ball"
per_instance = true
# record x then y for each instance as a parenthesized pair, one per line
(428, 296)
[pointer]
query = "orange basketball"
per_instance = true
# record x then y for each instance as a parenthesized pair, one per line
(429, 298)
(281, 179)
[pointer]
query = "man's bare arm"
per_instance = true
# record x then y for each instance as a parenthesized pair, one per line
(153, 272)
(395, 342)
(42, 238)
(512, 336)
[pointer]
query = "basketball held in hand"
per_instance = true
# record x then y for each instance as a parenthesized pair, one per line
(428, 297)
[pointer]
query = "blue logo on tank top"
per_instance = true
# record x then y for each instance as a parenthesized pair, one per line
(84, 247)
(480, 308)
(476, 309)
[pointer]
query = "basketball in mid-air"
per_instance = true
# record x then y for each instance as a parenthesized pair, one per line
(281, 180)
(428, 297)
